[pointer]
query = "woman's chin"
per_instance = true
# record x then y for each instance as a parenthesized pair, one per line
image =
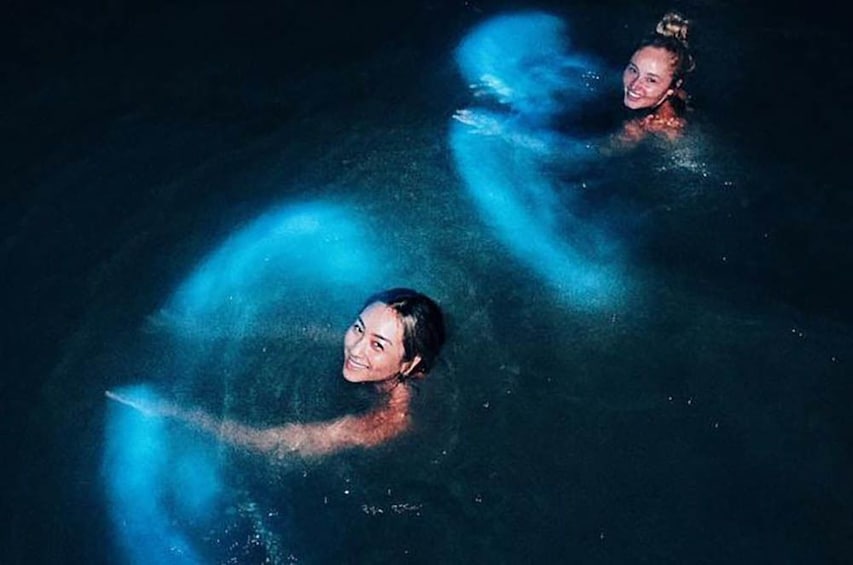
(350, 377)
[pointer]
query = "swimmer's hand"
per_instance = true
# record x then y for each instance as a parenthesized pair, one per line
(145, 406)
(491, 85)
(482, 122)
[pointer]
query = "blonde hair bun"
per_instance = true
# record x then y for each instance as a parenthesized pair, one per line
(673, 24)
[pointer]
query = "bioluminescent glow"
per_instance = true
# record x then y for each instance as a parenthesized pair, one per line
(270, 275)
(153, 483)
(278, 263)
(523, 62)
(518, 201)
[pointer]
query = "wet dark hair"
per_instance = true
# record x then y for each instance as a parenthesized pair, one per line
(671, 35)
(423, 324)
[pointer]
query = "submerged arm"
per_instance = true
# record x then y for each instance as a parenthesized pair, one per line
(369, 430)
(310, 439)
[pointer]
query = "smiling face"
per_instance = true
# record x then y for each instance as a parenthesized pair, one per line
(648, 78)
(373, 346)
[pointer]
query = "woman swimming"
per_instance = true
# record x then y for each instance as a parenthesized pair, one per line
(653, 81)
(396, 338)
(540, 102)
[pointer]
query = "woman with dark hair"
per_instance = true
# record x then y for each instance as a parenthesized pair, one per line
(395, 338)
(653, 81)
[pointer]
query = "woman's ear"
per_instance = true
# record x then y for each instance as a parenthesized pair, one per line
(411, 368)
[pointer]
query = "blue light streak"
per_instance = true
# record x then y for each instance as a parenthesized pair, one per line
(290, 256)
(152, 482)
(162, 481)
(522, 62)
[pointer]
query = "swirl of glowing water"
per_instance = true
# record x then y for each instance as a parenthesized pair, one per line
(282, 259)
(523, 61)
(276, 267)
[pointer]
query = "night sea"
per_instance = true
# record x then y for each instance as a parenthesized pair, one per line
(649, 354)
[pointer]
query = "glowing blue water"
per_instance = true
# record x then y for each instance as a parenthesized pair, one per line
(597, 437)
(252, 285)
(524, 62)
(256, 282)
(154, 481)
(281, 259)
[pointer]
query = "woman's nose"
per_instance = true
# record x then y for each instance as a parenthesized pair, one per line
(357, 347)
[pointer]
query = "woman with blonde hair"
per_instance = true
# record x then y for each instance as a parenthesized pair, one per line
(653, 81)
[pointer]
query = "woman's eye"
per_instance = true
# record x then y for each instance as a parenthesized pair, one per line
(356, 328)
(378, 346)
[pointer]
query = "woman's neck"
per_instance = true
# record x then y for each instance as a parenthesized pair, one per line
(396, 391)
(665, 110)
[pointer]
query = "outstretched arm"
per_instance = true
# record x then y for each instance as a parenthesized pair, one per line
(310, 439)
(230, 431)
(368, 430)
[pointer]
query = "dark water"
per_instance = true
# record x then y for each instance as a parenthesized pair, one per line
(702, 418)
